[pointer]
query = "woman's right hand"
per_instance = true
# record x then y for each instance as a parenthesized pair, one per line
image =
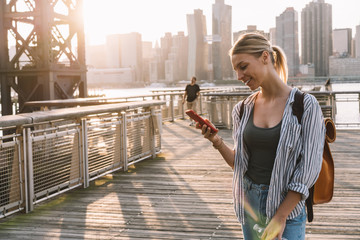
(206, 132)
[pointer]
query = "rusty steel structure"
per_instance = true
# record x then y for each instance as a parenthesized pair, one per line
(42, 51)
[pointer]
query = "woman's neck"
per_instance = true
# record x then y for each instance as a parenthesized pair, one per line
(274, 88)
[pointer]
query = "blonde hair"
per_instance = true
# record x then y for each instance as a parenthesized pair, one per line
(255, 44)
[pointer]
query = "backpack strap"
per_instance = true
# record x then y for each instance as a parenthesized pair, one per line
(298, 105)
(242, 108)
(309, 205)
(298, 110)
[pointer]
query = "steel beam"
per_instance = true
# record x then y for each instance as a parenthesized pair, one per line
(54, 67)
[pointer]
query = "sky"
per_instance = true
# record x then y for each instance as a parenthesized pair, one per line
(152, 18)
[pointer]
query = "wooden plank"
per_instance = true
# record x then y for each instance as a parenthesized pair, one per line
(185, 193)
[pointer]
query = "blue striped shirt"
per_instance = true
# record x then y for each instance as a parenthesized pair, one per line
(306, 139)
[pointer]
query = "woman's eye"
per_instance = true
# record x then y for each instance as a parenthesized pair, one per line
(243, 67)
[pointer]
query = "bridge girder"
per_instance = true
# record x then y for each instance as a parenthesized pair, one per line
(48, 61)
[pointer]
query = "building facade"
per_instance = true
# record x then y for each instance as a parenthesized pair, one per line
(165, 48)
(357, 42)
(342, 39)
(344, 66)
(250, 29)
(221, 29)
(111, 78)
(148, 55)
(316, 36)
(176, 63)
(272, 34)
(287, 37)
(112, 51)
(125, 51)
(131, 54)
(198, 47)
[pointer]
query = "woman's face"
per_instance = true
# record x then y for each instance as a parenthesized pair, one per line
(249, 69)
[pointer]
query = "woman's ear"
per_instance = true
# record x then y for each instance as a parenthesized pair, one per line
(265, 57)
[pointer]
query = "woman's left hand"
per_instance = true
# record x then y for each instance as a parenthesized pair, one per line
(274, 229)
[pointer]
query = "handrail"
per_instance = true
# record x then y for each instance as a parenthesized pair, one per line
(40, 116)
(88, 101)
(104, 100)
(310, 92)
(219, 105)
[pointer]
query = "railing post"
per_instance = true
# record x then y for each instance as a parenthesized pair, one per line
(213, 114)
(333, 107)
(25, 169)
(153, 132)
(359, 101)
(172, 108)
(30, 169)
(182, 110)
(84, 143)
(124, 140)
(229, 112)
(200, 104)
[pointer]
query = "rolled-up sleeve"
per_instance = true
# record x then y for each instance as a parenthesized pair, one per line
(313, 138)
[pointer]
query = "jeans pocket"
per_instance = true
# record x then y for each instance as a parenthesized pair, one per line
(295, 228)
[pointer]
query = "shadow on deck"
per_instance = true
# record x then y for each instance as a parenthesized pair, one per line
(185, 193)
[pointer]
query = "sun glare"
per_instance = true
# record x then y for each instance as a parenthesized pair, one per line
(149, 18)
(103, 18)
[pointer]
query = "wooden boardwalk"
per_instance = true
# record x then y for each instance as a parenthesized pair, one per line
(185, 193)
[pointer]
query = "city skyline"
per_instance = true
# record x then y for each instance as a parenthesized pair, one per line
(150, 19)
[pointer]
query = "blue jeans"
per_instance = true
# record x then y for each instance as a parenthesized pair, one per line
(255, 213)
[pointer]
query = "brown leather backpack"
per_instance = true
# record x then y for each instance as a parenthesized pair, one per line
(322, 191)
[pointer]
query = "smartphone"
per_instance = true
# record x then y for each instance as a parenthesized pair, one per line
(200, 120)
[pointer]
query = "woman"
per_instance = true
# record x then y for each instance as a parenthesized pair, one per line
(269, 184)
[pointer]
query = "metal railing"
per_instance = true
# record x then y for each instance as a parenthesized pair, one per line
(43, 154)
(171, 110)
(219, 105)
(11, 174)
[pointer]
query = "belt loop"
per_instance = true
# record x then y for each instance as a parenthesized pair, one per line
(248, 183)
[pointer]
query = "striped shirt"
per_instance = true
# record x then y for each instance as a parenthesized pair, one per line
(306, 139)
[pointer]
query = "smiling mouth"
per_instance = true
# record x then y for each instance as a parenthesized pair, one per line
(247, 82)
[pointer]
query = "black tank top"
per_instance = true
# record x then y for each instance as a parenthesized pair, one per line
(261, 144)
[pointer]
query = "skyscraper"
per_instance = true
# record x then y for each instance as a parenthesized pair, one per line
(357, 42)
(198, 48)
(113, 51)
(125, 51)
(165, 48)
(287, 38)
(316, 36)
(131, 54)
(342, 39)
(251, 29)
(221, 29)
(272, 34)
(148, 54)
(176, 63)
